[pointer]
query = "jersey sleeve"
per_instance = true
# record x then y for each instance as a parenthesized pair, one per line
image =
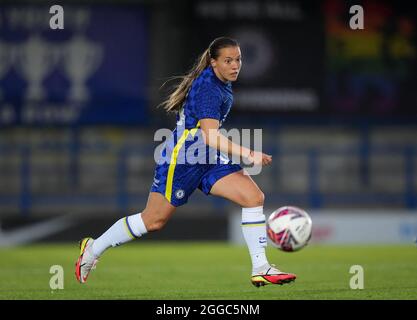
(208, 101)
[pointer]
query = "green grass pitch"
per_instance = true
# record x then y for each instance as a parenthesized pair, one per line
(215, 270)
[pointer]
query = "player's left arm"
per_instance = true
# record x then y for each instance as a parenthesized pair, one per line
(213, 138)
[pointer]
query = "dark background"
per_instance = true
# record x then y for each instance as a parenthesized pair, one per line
(78, 107)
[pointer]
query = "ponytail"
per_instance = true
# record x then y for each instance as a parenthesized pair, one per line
(176, 99)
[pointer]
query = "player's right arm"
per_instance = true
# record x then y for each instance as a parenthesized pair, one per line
(213, 138)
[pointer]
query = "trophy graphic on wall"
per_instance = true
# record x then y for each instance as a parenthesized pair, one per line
(34, 60)
(81, 58)
(5, 61)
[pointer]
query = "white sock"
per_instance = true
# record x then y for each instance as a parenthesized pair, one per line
(124, 230)
(254, 232)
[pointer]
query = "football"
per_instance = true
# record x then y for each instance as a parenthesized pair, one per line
(289, 228)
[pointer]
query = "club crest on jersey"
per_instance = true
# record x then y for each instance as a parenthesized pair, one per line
(179, 194)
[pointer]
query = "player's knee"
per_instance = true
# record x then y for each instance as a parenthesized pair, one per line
(156, 225)
(259, 199)
(255, 200)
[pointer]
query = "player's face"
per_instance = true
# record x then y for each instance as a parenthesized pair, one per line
(227, 65)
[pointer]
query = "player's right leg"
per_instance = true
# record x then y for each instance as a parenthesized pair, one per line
(157, 212)
(242, 190)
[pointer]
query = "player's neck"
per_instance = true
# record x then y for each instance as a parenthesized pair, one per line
(219, 76)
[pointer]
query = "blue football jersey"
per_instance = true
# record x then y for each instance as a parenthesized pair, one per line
(186, 162)
(208, 97)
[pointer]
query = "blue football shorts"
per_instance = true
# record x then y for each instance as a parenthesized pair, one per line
(176, 182)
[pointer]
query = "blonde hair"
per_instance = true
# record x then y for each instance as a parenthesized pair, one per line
(176, 99)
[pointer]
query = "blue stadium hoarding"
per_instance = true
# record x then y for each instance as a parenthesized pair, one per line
(94, 71)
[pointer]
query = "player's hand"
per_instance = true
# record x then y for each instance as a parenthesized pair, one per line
(258, 158)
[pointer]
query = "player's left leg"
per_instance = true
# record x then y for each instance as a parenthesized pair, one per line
(242, 190)
(155, 215)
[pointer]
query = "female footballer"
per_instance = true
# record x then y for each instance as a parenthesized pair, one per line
(202, 101)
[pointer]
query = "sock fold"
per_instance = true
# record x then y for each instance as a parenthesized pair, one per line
(136, 225)
(124, 230)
